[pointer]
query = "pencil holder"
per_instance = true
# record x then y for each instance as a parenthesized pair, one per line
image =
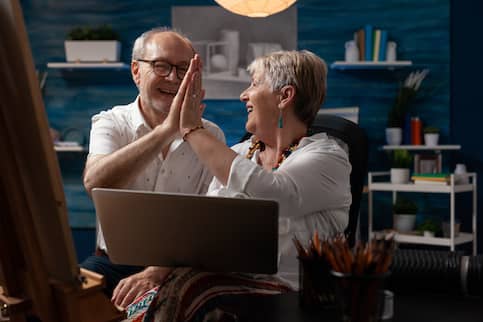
(360, 298)
(316, 284)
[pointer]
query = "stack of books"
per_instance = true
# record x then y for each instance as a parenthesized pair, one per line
(372, 43)
(431, 178)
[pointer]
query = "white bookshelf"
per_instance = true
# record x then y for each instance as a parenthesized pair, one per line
(376, 183)
(462, 238)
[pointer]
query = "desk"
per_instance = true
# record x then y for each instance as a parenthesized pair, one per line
(407, 308)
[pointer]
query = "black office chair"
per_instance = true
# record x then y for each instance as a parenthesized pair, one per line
(356, 139)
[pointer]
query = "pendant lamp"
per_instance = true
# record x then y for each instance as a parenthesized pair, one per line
(255, 8)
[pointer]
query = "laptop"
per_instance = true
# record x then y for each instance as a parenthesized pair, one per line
(171, 229)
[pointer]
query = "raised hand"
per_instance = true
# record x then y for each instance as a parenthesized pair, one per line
(192, 108)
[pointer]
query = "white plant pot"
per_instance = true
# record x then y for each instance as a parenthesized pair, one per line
(393, 135)
(399, 175)
(431, 139)
(404, 223)
(92, 50)
(428, 233)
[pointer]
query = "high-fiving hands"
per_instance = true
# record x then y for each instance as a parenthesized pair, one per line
(186, 109)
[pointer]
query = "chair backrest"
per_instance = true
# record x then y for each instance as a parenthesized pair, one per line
(356, 139)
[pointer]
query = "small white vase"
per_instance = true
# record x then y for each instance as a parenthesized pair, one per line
(231, 38)
(393, 135)
(404, 223)
(431, 139)
(391, 51)
(399, 175)
(351, 51)
(460, 174)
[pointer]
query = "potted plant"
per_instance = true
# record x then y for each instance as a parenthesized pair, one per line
(431, 135)
(404, 215)
(398, 111)
(401, 162)
(92, 44)
(429, 228)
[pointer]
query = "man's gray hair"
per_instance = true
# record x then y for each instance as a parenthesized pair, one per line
(139, 47)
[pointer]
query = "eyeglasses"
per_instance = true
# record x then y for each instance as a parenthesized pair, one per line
(162, 68)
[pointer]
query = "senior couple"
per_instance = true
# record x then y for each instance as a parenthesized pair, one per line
(160, 142)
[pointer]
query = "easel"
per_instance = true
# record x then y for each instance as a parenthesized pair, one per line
(39, 275)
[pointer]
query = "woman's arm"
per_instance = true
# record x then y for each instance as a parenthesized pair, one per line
(216, 156)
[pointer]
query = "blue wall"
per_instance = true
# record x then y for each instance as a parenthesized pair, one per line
(420, 27)
(466, 94)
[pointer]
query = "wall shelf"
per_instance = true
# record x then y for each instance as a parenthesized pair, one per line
(101, 73)
(70, 148)
(79, 66)
(422, 147)
(368, 65)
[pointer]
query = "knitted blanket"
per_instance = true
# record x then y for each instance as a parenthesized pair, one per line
(185, 291)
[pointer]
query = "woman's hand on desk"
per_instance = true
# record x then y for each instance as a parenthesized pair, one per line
(135, 285)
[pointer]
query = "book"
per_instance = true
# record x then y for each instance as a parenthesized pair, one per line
(438, 175)
(430, 178)
(383, 46)
(368, 41)
(377, 42)
(420, 182)
(361, 43)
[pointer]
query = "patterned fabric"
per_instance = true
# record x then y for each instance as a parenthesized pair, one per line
(186, 290)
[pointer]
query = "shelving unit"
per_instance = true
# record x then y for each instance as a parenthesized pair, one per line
(343, 65)
(452, 188)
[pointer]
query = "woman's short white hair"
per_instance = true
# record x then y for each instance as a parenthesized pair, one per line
(304, 70)
(139, 47)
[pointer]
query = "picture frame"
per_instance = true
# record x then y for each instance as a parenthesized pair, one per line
(427, 163)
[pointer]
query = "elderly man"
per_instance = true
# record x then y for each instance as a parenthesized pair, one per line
(135, 147)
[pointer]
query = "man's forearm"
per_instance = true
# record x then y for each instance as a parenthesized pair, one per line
(118, 169)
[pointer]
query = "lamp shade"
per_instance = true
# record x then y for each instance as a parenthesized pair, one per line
(255, 8)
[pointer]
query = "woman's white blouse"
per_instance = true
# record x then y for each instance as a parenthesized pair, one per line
(312, 188)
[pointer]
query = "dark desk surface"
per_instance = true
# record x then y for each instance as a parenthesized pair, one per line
(407, 308)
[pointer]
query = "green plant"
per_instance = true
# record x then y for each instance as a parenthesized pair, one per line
(401, 159)
(431, 130)
(104, 32)
(404, 206)
(428, 225)
(406, 94)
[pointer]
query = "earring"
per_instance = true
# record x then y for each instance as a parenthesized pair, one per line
(280, 120)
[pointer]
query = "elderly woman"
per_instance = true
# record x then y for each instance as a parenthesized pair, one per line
(307, 175)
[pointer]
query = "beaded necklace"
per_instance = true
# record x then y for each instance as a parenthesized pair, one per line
(259, 145)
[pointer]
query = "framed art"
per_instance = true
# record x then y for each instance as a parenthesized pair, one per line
(427, 163)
